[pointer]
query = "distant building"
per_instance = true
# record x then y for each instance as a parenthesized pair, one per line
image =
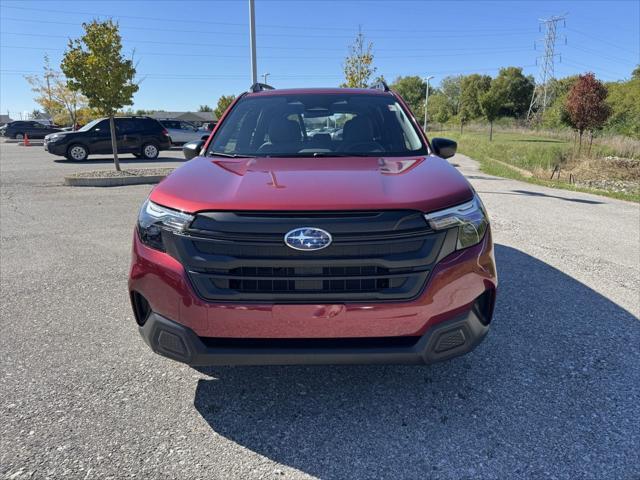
(198, 118)
(5, 119)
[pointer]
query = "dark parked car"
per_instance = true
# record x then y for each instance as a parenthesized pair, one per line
(141, 136)
(272, 246)
(33, 129)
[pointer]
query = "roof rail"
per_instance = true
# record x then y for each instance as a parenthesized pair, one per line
(259, 87)
(381, 85)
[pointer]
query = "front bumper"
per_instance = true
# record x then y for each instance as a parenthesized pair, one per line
(55, 148)
(201, 332)
(448, 339)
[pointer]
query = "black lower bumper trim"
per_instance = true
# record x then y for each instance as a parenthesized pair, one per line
(448, 339)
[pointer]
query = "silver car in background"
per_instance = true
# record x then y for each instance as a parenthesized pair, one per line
(181, 132)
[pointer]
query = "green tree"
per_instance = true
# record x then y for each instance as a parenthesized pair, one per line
(42, 86)
(95, 66)
(358, 66)
(556, 115)
(379, 79)
(142, 111)
(471, 87)
(451, 88)
(625, 106)
(517, 90)
(440, 108)
(223, 103)
(491, 102)
(205, 108)
(58, 101)
(413, 90)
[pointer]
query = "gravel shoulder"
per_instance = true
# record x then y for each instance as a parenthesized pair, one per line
(553, 392)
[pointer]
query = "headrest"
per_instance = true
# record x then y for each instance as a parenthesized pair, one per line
(282, 130)
(358, 129)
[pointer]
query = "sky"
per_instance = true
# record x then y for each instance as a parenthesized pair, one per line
(188, 53)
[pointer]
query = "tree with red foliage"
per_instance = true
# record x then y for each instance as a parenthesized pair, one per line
(586, 105)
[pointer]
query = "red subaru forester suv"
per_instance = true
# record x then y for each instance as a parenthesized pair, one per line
(314, 226)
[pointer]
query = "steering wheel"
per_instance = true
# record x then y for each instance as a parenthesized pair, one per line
(369, 146)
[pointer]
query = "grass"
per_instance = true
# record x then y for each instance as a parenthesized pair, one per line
(532, 157)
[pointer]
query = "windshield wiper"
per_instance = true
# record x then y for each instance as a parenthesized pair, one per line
(320, 154)
(229, 155)
(346, 154)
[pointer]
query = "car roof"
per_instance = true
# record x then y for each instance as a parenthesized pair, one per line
(319, 91)
(144, 117)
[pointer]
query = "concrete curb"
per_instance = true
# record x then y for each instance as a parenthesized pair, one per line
(111, 181)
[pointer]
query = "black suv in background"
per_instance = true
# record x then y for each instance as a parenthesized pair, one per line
(141, 136)
(33, 129)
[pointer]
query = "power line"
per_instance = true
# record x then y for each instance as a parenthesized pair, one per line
(496, 28)
(607, 73)
(271, 57)
(190, 44)
(154, 42)
(597, 39)
(603, 55)
(489, 33)
(229, 75)
(542, 92)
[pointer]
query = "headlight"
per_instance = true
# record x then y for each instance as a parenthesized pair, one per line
(153, 219)
(470, 218)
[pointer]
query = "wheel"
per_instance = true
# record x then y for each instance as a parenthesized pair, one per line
(77, 153)
(150, 151)
(19, 136)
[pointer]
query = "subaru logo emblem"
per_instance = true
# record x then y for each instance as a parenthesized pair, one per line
(308, 238)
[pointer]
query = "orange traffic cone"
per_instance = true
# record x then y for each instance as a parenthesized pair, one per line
(26, 140)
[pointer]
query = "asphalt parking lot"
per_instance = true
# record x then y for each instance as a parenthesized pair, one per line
(554, 391)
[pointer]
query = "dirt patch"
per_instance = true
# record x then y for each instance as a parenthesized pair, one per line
(613, 174)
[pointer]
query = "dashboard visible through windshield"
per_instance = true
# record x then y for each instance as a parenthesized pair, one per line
(300, 125)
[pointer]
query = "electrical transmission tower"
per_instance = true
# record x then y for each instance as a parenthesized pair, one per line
(542, 92)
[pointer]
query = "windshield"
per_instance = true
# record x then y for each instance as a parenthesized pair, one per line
(89, 125)
(299, 125)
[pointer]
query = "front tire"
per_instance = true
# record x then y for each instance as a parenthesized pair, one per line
(150, 151)
(77, 153)
(19, 136)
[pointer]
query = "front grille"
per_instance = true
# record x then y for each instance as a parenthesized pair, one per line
(375, 256)
(308, 279)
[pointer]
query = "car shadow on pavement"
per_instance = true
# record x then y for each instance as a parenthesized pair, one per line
(541, 194)
(553, 391)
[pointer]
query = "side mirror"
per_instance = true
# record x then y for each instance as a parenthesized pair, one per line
(443, 147)
(192, 149)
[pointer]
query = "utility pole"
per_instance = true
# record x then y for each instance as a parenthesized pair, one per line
(252, 41)
(542, 93)
(426, 103)
(264, 76)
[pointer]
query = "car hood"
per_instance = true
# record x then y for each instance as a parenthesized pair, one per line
(346, 183)
(58, 133)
